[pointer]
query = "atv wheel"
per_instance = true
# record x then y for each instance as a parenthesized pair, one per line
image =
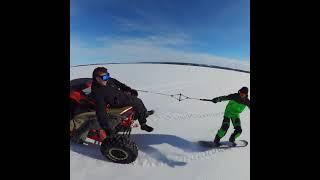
(119, 149)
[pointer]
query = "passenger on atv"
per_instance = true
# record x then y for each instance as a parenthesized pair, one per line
(109, 91)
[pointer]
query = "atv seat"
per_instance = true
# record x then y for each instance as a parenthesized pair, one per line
(116, 115)
(120, 111)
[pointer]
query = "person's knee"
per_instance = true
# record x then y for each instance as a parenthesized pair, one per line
(225, 126)
(236, 122)
(82, 119)
(71, 125)
(136, 99)
(223, 130)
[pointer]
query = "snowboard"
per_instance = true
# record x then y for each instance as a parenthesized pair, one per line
(224, 144)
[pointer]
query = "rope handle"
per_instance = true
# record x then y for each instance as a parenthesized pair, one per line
(206, 100)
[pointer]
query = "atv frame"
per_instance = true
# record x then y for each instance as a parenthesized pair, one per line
(118, 148)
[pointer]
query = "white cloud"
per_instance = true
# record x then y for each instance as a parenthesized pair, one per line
(152, 48)
(129, 25)
(180, 39)
(146, 23)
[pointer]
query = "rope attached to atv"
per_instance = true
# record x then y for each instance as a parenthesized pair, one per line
(179, 97)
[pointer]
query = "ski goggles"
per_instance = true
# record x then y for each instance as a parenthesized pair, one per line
(105, 77)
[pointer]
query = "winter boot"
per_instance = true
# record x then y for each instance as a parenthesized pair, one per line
(232, 141)
(216, 142)
(150, 112)
(147, 128)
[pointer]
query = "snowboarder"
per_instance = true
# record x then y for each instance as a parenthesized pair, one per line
(107, 90)
(237, 103)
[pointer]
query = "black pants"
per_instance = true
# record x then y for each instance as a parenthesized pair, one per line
(225, 126)
(138, 106)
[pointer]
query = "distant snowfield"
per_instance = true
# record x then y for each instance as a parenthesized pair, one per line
(171, 151)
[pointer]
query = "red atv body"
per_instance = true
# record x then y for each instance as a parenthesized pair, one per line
(118, 148)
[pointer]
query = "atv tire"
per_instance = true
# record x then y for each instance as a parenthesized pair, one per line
(119, 149)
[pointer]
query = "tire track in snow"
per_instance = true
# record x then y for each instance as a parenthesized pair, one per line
(156, 158)
(151, 159)
(182, 117)
(145, 160)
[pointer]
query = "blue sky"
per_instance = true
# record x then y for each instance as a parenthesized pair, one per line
(104, 31)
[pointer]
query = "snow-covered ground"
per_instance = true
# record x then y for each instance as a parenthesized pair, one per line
(171, 151)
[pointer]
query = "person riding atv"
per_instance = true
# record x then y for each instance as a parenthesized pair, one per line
(115, 142)
(117, 95)
(107, 90)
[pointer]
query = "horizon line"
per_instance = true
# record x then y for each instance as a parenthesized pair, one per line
(171, 63)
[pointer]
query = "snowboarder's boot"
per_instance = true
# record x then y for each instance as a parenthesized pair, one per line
(216, 141)
(146, 127)
(232, 141)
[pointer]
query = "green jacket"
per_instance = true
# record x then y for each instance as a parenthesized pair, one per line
(235, 106)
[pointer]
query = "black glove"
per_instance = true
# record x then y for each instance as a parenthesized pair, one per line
(134, 92)
(206, 100)
(215, 100)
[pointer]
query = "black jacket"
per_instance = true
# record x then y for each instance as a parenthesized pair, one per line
(113, 94)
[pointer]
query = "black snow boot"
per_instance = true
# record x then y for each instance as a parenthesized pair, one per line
(150, 112)
(146, 127)
(216, 141)
(232, 141)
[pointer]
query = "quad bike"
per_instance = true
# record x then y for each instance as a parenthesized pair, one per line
(118, 148)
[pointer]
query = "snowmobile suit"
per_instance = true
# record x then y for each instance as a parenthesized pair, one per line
(114, 95)
(232, 112)
(225, 126)
(235, 106)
